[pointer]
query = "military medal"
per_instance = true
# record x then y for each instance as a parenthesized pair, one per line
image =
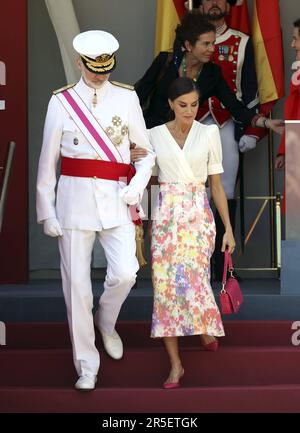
(230, 57)
(221, 53)
(226, 51)
(117, 131)
(117, 140)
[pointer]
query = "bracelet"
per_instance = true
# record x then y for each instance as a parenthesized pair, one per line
(255, 119)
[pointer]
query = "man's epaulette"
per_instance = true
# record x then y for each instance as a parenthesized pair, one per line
(55, 92)
(125, 86)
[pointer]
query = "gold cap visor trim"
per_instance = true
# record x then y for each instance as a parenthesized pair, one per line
(103, 67)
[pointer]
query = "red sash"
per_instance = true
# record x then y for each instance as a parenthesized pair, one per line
(99, 169)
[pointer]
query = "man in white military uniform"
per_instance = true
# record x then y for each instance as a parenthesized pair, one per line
(90, 126)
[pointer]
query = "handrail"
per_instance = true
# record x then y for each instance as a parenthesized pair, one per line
(277, 235)
(11, 151)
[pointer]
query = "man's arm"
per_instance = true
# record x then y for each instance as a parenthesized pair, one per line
(138, 134)
(241, 114)
(46, 179)
(147, 83)
(237, 109)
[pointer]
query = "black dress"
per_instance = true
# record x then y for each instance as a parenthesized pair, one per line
(210, 81)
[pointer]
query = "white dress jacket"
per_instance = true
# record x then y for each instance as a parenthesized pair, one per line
(88, 203)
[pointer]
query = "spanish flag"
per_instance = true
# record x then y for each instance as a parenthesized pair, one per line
(238, 18)
(267, 41)
(168, 15)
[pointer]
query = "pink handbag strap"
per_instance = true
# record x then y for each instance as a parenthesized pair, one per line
(227, 265)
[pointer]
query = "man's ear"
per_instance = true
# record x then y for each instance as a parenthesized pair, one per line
(227, 8)
(78, 62)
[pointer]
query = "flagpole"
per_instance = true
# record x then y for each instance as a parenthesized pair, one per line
(271, 193)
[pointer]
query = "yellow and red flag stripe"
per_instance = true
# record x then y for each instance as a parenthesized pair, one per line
(168, 15)
(238, 18)
(267, 41)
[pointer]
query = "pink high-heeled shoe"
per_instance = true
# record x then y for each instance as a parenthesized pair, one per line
(173, 385)
(211, 347)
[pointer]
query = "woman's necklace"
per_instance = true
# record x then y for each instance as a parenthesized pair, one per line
(184, 69)
(178, 135)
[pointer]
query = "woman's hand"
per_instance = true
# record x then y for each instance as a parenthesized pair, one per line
(276, 125)
(228, 241)
(280, 162)
(137, 153)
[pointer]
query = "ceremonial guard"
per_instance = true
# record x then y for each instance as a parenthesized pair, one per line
(234, 55)
(89, 126)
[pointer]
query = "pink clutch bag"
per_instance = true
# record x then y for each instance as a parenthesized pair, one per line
(231, 297)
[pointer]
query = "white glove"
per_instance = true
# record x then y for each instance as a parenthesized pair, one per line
(247, 142)
(130, 195)
(52, 228)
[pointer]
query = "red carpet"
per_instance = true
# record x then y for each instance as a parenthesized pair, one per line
(256, 369)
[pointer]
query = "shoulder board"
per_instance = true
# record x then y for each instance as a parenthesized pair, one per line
(125, 86)
(55, 92)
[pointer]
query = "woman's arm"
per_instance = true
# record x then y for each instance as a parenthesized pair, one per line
(220, 200)
(239, 112)
(148, 82)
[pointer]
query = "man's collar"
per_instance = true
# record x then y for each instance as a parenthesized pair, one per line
(221, 29)
(82, 84)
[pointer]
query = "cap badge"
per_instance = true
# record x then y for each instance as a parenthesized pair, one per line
(103, 58)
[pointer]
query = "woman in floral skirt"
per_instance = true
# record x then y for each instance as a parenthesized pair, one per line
(183, 228)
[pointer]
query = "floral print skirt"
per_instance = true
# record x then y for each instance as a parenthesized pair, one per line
(183, 237)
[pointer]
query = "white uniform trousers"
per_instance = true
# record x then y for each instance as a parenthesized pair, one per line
(230, 152)
(76, 248)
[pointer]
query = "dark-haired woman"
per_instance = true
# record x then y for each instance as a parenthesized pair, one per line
(183, 229)
(193, 49)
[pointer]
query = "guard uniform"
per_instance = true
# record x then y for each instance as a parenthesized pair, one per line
(234, 54)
